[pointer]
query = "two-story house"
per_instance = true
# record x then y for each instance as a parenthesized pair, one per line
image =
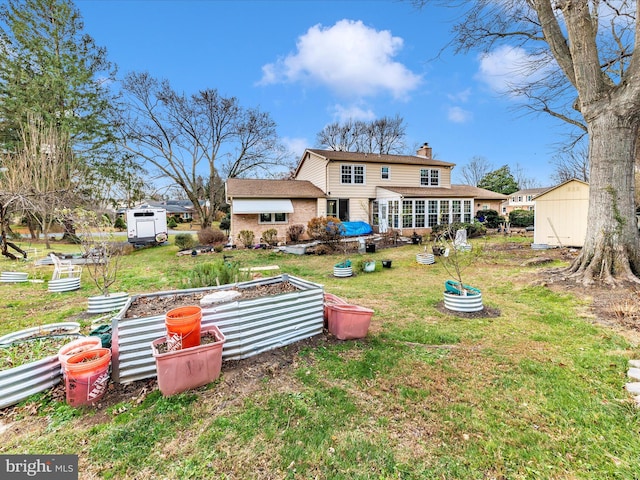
(521, 200)
(404, 192)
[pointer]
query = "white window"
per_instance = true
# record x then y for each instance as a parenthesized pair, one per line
(519, 198)
(429, 177)
(384, 173)
(273, 218)
(529, 198)
(352, 174)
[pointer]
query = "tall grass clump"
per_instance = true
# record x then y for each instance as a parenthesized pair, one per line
(184, 241)
(218, 272)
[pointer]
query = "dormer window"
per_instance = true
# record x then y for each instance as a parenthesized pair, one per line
(429, 177)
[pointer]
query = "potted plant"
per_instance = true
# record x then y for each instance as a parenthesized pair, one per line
(367, 264)
(102, 254)
(458, 296)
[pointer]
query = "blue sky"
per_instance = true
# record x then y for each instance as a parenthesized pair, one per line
(310, 63)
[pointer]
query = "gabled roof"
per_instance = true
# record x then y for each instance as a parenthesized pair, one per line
(561, 185)
(337, 156)
(255, 188)
(456, 191)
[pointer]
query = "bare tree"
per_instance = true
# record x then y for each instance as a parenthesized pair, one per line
(523, 180)
(339, 137)
(39, 177)
(475, 170)
(384, 136)
(572, 164)
(205, 134)
(584, 70)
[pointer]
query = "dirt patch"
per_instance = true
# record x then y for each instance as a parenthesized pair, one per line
(152, 306)
(486, 312)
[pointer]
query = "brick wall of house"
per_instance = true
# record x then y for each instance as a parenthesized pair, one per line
(303, 211)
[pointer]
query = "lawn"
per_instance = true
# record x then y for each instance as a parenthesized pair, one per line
(536, 392)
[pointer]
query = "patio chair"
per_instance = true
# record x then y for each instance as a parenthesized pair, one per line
(64, 268)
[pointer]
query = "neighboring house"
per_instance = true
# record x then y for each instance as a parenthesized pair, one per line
(404, 192)
(260, 205)
(521, 200)
(561, 215)
(181, 210)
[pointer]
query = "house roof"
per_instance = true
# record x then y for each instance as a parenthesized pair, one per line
(171, 209)
(255, 188)
(530, 191)
(338, 156)
(456, 191)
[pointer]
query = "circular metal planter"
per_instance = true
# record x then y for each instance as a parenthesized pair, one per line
(13, 277)
(425, 258)
(108, 303)
(64, 284)
(66, 328)
(342, 272)
(463, 303)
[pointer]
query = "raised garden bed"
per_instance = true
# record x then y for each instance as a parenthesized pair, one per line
(268, 314)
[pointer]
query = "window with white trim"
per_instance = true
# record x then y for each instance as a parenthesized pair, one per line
(385, 173)
(272, 218)
(352, 174)
(429, 177)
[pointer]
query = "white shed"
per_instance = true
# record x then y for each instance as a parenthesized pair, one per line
(561, 215)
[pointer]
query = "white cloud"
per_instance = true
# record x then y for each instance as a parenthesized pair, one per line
(503, 67)
(343, 113)
(462, 96)
(459, 115)
(349, 58)
(295, 145)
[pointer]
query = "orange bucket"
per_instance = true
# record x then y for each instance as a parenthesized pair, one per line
(183, 327)
(87, 376)
(77, 346)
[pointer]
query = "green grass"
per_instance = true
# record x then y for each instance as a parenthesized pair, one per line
(535, 393)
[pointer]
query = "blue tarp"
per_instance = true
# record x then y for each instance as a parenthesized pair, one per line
(352, 229)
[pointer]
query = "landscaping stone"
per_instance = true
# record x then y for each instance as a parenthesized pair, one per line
(634, 373)
(633, 388)
(634, 363)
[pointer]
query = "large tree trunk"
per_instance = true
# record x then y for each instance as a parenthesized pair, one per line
(610, 252)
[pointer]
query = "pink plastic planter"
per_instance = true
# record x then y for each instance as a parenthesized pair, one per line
(349, 322)
(191, 367)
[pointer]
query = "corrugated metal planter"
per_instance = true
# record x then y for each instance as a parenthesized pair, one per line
(13, 277)
(425, 258)
(64, 328)
(463, 303)
(64, 284)
(19, 383)
(107, 303)
(250, 326)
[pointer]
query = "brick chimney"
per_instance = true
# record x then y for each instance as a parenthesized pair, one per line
(425, 150)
